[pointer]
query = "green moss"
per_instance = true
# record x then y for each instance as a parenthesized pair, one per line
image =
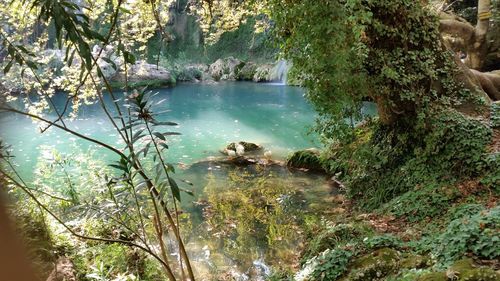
(463, 270)
(410, 261)
(373, 266)
(433, 276)
(305, 159)
(466, 270)
(480, 274)
(334, 236)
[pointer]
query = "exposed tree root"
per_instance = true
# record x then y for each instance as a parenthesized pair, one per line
(490, 83)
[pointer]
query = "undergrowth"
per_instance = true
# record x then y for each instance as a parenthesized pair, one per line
(382, 163)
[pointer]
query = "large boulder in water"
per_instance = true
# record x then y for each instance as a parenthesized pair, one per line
(225, 69)
(146, 74)
(240, 148)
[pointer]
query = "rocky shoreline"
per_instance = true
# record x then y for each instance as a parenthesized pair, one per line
(141, 74)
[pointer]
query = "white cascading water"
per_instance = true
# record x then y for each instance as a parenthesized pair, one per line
(280, 72)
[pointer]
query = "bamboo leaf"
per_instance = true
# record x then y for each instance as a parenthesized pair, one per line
(159, 135)
(8, 66)
(175, 189)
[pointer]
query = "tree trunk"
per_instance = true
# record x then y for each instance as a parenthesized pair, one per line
(478, 48)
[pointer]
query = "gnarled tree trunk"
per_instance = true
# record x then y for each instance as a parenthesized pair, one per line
(473, 41)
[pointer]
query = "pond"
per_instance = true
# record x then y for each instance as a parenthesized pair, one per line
(243, 221)
(209, 117)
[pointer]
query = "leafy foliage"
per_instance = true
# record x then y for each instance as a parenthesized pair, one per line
(383, 241)
(419, 204)
(331, 264)
(477, 234)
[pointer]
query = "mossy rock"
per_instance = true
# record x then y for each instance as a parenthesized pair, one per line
(410, 261)
(433, 276)
(465, 270)
(306, 159)
(373, 266)
(332, 237)
(249, 147)
(480, 274)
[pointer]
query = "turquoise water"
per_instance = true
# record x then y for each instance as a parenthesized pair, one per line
(209, 117)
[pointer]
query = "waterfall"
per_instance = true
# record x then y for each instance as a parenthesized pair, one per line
(280, 72)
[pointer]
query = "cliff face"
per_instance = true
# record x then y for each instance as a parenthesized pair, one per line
(184, 27)
(187, 41)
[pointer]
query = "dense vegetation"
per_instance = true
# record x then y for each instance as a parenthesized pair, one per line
(420, 182)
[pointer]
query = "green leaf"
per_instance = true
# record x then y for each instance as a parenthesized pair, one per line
(175, 189)
(187, 182)
(159, 135)
(129, 57)
(187, 191)
(166, 123)
(8, 66)
(124, 10)
(113, 64)
(70, 59)
(85, 53)
(119, 167)
(31, 64)
(172, 134)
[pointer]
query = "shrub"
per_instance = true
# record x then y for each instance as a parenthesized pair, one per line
(189, 74)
